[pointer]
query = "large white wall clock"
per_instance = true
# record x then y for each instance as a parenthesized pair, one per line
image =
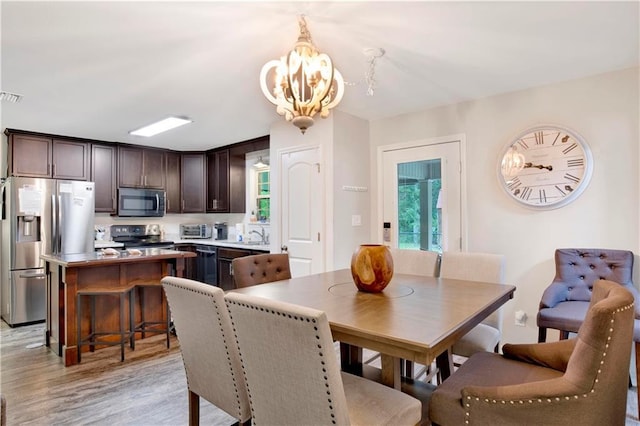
(545, 167)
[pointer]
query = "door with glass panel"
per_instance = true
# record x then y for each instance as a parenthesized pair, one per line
(422, 197)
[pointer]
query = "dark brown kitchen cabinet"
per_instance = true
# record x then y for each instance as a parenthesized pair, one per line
(44, 157)
(218, 181)
(103, 173)
(193, 183)
(141, 168)
(173, 182)
(237, 180)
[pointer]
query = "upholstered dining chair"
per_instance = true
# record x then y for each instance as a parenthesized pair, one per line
(565, 301)
(260, 269)
(485, 267)
(582, 380)
(415, 262)
(209, 351)
(292, 371)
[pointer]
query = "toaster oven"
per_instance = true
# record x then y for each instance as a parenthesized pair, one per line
(196, 231)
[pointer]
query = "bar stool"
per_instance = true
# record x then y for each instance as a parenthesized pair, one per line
(153, 326)
(92, 339)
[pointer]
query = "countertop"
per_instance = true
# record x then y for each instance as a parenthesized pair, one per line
(98, 258)
(226, 243)
(100, 244)
(206, 241)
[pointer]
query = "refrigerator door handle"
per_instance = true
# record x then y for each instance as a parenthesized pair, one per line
(59, 218)
(36, 275)
(54, 225)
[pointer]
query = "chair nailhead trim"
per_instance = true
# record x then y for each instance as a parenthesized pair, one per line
(226, 346)
(556, 399)
(312, 322)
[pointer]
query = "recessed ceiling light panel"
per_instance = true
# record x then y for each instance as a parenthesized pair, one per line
(161, 126)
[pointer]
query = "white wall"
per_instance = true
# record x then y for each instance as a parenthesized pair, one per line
(604, 110)
(344, 147)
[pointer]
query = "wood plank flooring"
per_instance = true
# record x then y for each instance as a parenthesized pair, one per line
(148, 388)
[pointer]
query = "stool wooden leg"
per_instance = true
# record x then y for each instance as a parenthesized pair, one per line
(122, 327)
(78, 323)
(132, 331)
(168, 324)
(143, 327)
(92, 324)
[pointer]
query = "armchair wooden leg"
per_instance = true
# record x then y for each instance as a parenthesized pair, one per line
(542, 334)
(194, 409)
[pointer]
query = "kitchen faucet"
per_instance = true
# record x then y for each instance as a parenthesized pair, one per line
(262, 233)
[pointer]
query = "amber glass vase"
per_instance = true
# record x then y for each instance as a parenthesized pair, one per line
(372, 267)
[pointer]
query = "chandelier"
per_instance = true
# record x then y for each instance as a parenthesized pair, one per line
(512, 163)
(303, 83)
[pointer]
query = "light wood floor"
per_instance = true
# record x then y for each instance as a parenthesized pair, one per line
(148, 388)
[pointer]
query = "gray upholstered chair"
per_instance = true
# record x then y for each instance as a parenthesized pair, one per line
(564, 303)
(260, 269)
(483, 267)
(209, 351)
(581, 381)
(293, 375)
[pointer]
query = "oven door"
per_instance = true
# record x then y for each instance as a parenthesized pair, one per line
(134, 202)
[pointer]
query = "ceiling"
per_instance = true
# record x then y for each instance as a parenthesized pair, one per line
(100, 69)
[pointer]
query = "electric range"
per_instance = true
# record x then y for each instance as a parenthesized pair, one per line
(140, 236)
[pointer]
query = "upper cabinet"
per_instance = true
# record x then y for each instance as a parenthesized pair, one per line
(141, 168)
(45, 157)
(218, 181)
(173, 182)
(103, 173)
(193, 183)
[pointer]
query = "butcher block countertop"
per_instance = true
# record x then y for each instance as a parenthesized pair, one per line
(100, 258)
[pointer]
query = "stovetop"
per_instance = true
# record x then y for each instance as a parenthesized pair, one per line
(138, 236)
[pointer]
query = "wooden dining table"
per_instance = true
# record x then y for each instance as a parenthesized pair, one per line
(415, 318)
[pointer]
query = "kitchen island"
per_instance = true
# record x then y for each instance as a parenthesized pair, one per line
(66, 274)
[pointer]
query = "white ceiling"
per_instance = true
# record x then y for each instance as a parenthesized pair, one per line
(99, 69)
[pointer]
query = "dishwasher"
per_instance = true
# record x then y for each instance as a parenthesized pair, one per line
(206, 264)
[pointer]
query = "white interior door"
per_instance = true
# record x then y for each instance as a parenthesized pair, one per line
(421, 197)
(302, 210)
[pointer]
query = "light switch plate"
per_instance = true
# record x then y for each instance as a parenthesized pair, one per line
(356, 220)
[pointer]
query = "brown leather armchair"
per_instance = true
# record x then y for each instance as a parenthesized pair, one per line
(260, 269)
(582, 380)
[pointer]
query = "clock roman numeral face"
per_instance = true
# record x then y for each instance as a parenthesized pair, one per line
(557, 166)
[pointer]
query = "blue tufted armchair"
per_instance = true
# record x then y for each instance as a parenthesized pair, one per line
(565, 302)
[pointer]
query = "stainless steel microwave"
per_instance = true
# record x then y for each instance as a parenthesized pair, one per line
(135, 202)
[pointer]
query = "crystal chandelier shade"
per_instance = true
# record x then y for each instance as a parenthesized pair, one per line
(302, 83)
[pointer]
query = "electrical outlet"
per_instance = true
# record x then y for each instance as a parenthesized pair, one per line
(520, 318)
(356, 220)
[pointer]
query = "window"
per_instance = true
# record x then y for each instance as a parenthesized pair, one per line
(263, 198)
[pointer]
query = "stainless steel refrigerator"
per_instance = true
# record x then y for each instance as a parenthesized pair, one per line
(39, 216)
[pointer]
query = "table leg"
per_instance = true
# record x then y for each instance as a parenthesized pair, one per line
(444, 362)
(351, 358)
(391, 371)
